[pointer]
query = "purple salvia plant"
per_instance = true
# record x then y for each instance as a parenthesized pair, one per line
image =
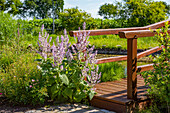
(44, 46)
(60, 49)
(94, 77)
(88, 57)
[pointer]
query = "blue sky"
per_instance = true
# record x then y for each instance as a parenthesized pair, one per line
(92, 6)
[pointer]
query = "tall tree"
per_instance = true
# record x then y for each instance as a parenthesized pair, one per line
(138, 12)
(41, 8)
(105, 11)
(11, 6)
(74, 18)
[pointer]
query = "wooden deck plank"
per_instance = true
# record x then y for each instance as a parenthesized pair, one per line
(116, 91)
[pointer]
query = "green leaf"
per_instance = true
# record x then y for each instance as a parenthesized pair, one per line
(64, 79)
(91, 94)
(68, 92)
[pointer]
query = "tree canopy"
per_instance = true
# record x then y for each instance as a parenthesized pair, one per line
(41, 8)
(11, 6)
(106, 12)
(136, 12)
(74, 17)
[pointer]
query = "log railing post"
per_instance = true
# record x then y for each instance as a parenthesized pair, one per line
(132, 68)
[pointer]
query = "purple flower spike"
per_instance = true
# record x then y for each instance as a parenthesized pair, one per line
(42, 28)
(65, 32)
(61, 67)
(50, 39)
(84, 25)
(57, 39)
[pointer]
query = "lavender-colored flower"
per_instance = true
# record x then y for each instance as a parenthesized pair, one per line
(84, 26)
(65, 32)
(30, 86)
(69, 55)
(50, 39)
(33, 80)
(61, 67)
(94, 77)
(58, 51)
(88, 56)
(44, 46)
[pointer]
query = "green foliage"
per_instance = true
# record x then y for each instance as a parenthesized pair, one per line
(108, 10)
(136, 12)
(60, 24)
(111, 71)
(146, 12)
(65, 85)
(48, 23)
(8, 28)
(10, 6)
(65, 75)
(20, 81)
(73, 18)
(41, 9)
(159, 79)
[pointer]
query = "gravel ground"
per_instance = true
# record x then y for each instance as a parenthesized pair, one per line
(62, 108)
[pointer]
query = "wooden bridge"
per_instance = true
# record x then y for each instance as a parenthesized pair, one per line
(124, 95)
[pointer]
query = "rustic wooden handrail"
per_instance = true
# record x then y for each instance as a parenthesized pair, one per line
(132, 69)
(122, 58)
(117, 30)
(138, 33)
(145, 68)
(131, 34)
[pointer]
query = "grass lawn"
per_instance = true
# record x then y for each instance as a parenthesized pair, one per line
(113, 41)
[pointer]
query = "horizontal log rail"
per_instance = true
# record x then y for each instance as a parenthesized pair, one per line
(111, 59)
(148, 52)
(117, 30)
(145, 68)
(138, 33)
(122, 58)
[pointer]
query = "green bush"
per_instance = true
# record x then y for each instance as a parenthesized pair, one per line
(21, 82)
(56, 76)
(65, 74)
(158, 80)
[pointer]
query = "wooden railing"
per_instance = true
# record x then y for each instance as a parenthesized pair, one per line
(131, 34)
(117, 30)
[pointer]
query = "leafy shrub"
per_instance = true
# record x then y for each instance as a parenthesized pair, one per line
(59, 76)
(159, 79)
(64, 74)
(21, 82)
(73, 18)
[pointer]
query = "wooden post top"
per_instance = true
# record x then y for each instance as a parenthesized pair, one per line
(117, 30)
(138, 33)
